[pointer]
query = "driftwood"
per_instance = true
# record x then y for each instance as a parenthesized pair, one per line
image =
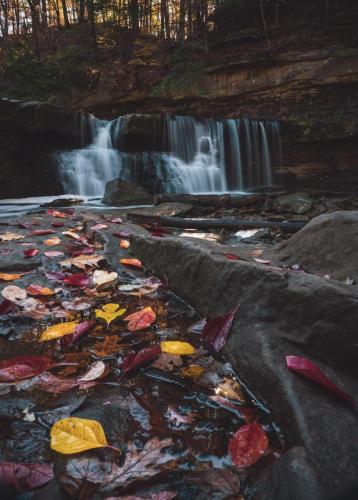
(212, 200)
(230, 224)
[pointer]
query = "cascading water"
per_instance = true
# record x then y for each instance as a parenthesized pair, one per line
(202, 156)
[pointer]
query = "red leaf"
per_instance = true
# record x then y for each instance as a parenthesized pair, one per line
(57, 224)
(6, 307)
(248, 445)
(56, 213)
(31, 252)
(42, 232)
(23, 367)
(77, 280)
(50, 383)
(216, 331)
(55, 276)
(310, 370)
(231, 256)
(81, 330)
(146, 355)
(24, 477)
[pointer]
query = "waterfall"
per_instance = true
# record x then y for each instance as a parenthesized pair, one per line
(202, 156)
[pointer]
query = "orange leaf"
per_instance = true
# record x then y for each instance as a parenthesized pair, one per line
(52, 241)
(124, 243)
(141, 319)
(39, 290)
(131, 262)
(10, 277)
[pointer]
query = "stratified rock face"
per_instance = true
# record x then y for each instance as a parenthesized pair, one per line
(281, 313)
(124, 193)
(327, 245)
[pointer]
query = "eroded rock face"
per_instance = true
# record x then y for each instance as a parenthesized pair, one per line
(327, 245)
(282, 312)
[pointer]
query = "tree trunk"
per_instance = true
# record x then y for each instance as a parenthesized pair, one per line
(65, 14)
(182, 13)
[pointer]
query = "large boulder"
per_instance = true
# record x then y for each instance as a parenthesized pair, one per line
(294, 203)
(326, 245)
(282, 312)
(123, 193)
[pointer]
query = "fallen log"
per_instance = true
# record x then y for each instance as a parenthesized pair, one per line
(230, 224)
(212, 200)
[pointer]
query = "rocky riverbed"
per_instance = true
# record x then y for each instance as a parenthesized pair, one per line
(184, 408)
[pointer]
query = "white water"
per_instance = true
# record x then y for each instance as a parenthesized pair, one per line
(203, 156)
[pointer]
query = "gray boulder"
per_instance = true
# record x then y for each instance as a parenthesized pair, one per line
(120, 192)
(294, 203)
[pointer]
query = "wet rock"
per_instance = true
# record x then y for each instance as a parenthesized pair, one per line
(166, 209)
(124, 193)
(327, 245)
(296, 203)
(282, 312)
(143, 133)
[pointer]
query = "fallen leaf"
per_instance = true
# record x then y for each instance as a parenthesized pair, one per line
(10, 277)
(24, 477)
(11, 236)
(231, 256)
(192, 371)
(54, 253)
(115, 220)
(13, 293)
(311, 371)
(58, 330)
(52, 242)
(177, 347)
(122, 234)
(71, 234)
(111, 344)
(57, 224)
(80, 331)
(6, 307)
(248, 445)
(167, 362)
(141, 319)
(77, 280)
(134, 360)
(39, 290)
(56, 213)
(163, 495)
(231, 389)
(177, 418)
(262, 261)
(54, 276)
(23, 367)
(82, 261)
(73, 435)
(101, 277)
(98, 227)
(216, 331)
(131, 262)
(77, 304)
(56, 385)
(96, 371)
(247, 414)
(42, 232)
(224, 481)
(124, 244)
(109, 312)
(31, 252)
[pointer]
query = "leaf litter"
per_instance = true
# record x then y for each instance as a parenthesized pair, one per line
(104, 335)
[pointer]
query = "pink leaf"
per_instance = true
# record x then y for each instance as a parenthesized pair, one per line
(24, 477)
(57, 224)
(122, 234)
(146, 355)
(248, 445)
(55, 276)
(54, 253)
(216, 331)
(81, 330)
(77, 280)
(42, 232)
(31, 252)
(310, 370)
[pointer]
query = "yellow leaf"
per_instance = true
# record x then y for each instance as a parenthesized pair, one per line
(59, 330)
(9, 277)
(109, 312)
(11, 236)
(192, 371)
(177, 347)
(73, 435)
(52, 242)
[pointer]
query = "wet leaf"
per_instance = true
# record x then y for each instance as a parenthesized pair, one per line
(177, 347)
(54, 276)
(82, 261)
(54, 253)
(134, 360)
(141, 320)
(231, 256)
(31, 252)
(231, 389)
(248, 445)
(177, 418)
(10, 277)
(39, 290)
(262, 261)
(81, 331)
(224, 481)
(163, 495)
(52, 242)
(109, 312)
(95, 371)
(124, 244)
(192, 371)
(13, 293)
(101, 277)
(311, 371)
(58, 330)
(167, 362)
(77, 280)
(42, 232)
(6, 307)
(131, 262)
(77, 304)
(11, 236)
(111, 344)
(24, 477)
(74, 435)
(56, 213)
(83, 476)
(216, 331)
(23, 367)
(56, 385)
